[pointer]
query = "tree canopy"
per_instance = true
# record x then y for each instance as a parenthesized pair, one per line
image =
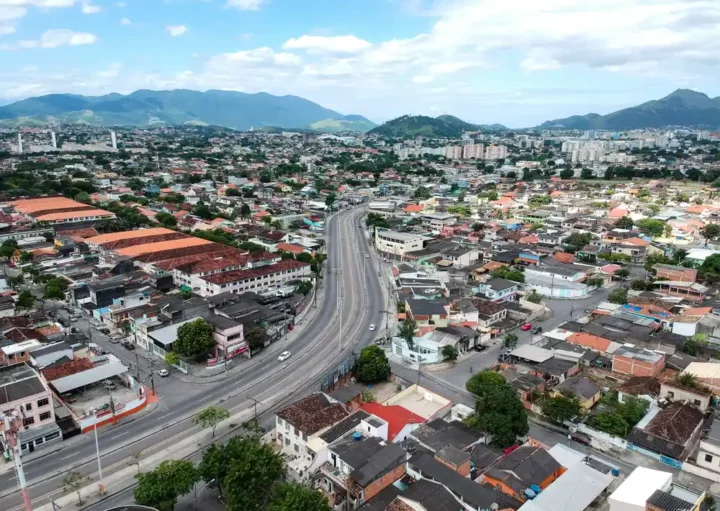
(195, 339)
(162, 487)
(373, 365)
(561, 408)
(651, 227)
(618, 295)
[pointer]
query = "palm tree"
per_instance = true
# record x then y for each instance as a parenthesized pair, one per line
(407, 332)
(686, 380)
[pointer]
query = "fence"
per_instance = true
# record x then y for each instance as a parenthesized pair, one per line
(601, 440)
(157, 350)
(332, 377)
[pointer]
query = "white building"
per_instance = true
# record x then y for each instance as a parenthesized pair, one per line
(453, 152)
(398, 243)
(496, 152)
(257, 280)
(473, 151)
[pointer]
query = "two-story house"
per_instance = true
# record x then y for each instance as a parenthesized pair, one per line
(498, 290)
(428, 314)
(229, 337)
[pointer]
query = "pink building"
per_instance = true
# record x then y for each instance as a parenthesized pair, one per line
(229, 337)
(25, 392)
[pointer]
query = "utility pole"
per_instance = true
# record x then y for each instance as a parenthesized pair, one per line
(337, 273)
(12, 427)
(152, 375)
(255, 405)
(137, 364)
(97, 451)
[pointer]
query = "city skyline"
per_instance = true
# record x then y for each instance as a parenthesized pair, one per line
(517, 63)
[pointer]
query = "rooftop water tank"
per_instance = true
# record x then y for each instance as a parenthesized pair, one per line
(357, 436)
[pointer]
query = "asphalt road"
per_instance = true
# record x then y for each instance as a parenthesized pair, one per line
(318, 348)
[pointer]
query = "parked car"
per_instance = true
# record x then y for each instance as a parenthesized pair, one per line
(537, 330)
(480, 347)
(163, 373)
(526, 326)
(109, 385)
(63, 322)
(128, 345)
(580, 438)
(284, 356)
(372, 327)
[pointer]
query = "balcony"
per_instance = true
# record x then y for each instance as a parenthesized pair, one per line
(333, 474)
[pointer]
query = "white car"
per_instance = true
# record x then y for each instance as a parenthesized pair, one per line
(284, 356)
(163, 373)
(372, 327)
(367, 255)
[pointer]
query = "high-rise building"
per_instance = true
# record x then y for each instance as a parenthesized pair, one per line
(113, 139)
(453, 152)
(473, 151)
(54, 139)
(495, 152)
(20, 147)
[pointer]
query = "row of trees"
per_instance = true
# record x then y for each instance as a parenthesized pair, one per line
(247, 473)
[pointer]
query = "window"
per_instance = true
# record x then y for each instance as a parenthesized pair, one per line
(670, 394)
(287, 441)
(39, 441)
(28, 406)
(708, 458)
(297, 449)
(29, 421)
(45, 416)
(696, 402)
(43, 402)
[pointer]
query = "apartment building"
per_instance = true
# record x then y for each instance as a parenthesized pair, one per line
(473, 151)
(25, 392)
(257, 280)
(496, 152)
(453, 152)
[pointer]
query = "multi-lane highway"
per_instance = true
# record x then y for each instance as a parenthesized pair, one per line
(350, 277)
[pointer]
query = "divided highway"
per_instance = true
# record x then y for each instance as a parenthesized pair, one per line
(318, 347)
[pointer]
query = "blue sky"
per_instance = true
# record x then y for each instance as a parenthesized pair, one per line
(518, 62)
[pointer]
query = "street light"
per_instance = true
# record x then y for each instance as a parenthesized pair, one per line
(97, 450)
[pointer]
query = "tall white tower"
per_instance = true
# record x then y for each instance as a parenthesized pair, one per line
(20, 147)
(54, 139)
(113, 138)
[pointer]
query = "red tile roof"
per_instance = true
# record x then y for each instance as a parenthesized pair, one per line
(396, 416)
(239, 275)
(77, 365)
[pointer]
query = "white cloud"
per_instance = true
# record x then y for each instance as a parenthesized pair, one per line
(245, 5)
(120, 5)
(422, 79)
(7, 30)
(337, 44)
(53, 39)
(176, 30)
(88, 8)
(11, 12)
(112, 71)
(125, 21)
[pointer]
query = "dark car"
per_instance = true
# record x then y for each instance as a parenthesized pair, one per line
(537, 330)
(63, 322)
(580, 438)
(128, 345)
(480, 347)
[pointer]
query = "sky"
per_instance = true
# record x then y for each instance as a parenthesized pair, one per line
(516, 62)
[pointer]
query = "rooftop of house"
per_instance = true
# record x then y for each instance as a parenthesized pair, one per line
(641, 385)
(528, 465)
(420, 307)
(580, 386)
(313, 413)
(17, 382)
(239, 275)
(396, 416)
(498, 284)
(638, 354)
(343, 427)
(438, 433)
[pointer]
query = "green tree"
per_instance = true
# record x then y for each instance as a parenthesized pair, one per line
(595, 282)
(26, 300)
(610, 423)
(8, 248)
(195, 339)
(481, 383)
(250, 468)
(690, 347)
(295, 497)
(373, 365)
(622, 273)
(710, 232)
(211, 416)
(632, 409)
(73, 482)
(166, 219)
(303, 287)
(651, 227)
(578, 240)
(624, 223)
(330, 200)
(245, 211)
(567, 173)
(534, 297)
(561, 408)
(55, 289)
(83, 197)
(640, 285)
(407, 331)
(618, 295)
(256, 338)
(171, 358)
(162, 487)
(510, 341)
(449, 352)
(15, 282)
(422, 193)
(500, 413)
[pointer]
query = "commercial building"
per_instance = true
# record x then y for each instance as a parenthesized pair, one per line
(258, 280)
(59, 210)
(397, 243)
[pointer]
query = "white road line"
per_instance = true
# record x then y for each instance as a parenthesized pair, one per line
(119, 435)
(69, 456)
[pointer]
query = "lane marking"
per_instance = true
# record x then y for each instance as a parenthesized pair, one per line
(120, 434)
(70, 455)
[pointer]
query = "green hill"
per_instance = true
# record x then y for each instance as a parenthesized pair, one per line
(681, 108)
(174, 107)
(346, 123)
(417, 125)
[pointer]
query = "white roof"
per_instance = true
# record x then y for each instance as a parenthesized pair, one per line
(167, 335)
(532, 353)
(704, 369)
(21, 346)
(559, 334)
(97, 374)
(700, 253)
(640, 485)
(572, 491)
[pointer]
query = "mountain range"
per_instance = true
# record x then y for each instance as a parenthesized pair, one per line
(443, 126)
(144, 108)
(683, 107)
